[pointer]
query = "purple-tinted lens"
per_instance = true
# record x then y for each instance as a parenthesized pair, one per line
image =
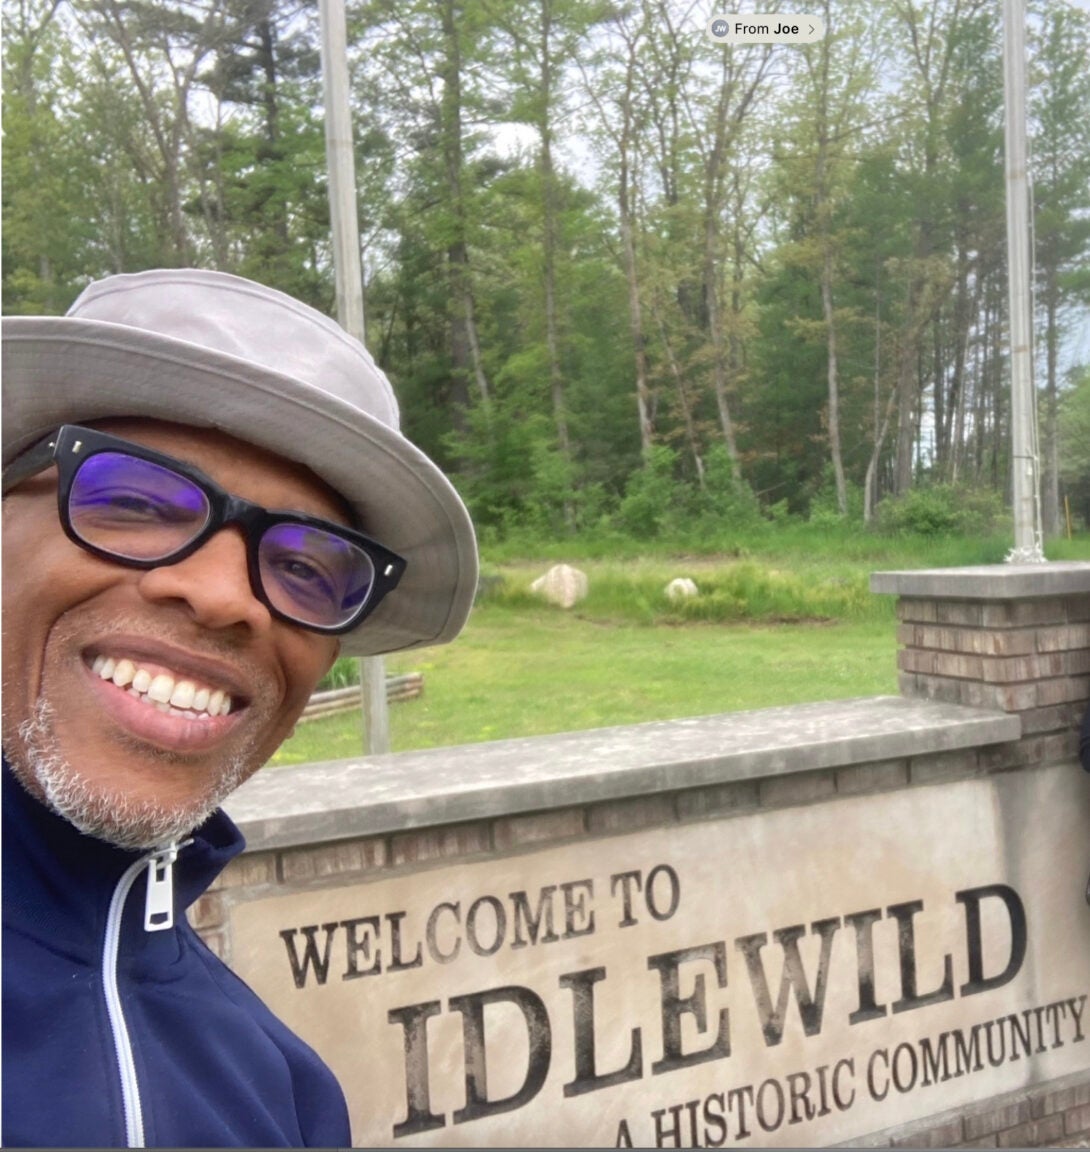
(133, 508)
(314, 576)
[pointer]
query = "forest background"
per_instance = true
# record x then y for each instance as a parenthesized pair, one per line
(620, 275)
(636, 291)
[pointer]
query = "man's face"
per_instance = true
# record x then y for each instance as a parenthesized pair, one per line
(81, 635)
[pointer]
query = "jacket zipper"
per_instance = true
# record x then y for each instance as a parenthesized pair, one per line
(158, 915)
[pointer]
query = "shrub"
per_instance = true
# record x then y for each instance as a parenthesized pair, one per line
(780, 512)
(345, 671)
(824, 509)
(650, 495)
(942, 510)
(724, 501)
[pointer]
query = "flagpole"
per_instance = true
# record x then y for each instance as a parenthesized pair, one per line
(348, 270)
(1025, 459)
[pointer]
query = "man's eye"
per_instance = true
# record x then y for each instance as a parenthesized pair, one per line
(134, 504)
(299, 570)
(119, 505)
(302, 575)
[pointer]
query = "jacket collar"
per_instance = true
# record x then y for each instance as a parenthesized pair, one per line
(57, 882)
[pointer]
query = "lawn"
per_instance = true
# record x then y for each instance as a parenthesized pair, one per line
(528, 672)
(766, 630)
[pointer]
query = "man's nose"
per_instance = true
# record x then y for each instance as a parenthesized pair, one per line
(213, 584)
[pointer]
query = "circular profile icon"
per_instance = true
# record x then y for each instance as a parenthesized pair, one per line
(720, 27)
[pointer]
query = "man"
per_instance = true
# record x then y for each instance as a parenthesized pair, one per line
(206, 500)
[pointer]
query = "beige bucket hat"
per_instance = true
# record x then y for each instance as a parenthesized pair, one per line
(213, 350)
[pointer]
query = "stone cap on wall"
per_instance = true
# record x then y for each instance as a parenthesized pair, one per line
(988, 581)
(337, 799)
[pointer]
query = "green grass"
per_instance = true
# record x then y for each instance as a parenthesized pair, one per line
(731, 591)
(835, 542)
(792, 624)
(518, 672)
(1078, 548)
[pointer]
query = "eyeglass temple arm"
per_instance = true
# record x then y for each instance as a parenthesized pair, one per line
(31, 462)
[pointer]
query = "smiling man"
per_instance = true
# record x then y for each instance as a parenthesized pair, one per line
(206, 500)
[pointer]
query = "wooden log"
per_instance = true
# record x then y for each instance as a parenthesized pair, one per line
(333, 700)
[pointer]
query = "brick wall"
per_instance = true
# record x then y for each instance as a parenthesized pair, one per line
(1028, 657)
(1054, 1116)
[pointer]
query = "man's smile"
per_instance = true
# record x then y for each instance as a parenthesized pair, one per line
(165, 696)
(169, 693)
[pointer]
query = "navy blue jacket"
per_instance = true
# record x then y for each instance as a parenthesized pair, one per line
(211, 1065)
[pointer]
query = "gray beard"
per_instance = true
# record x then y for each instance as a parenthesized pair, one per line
(106, 814)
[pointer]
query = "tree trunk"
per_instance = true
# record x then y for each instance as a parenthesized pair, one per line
(719, 352)
(870, 484)
(906, 416)
(550, 245)
(465, 348)
(635, 317)
(684, 401)
(833, 380)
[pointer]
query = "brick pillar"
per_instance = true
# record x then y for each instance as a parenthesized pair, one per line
(1010, 637)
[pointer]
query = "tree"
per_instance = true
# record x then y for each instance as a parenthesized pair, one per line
(41, 235)
(933, 31)
(1060, 102)
(616, 100)
(542, 37)
(1074, 439)
(741, 76)
(835, 97)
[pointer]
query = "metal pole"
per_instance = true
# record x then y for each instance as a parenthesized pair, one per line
(1024, 457)
(349, 278)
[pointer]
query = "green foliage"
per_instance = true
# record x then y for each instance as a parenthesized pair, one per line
(501, 277)
(731, 591)
(1074, 426)
(824, 509)
(657, 501)
(345, 671)
(725, 504)
(651, 495)
(943, 510)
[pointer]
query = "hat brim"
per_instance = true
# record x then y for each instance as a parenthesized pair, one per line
(63, 369)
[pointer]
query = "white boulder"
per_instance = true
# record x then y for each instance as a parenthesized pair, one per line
(681, 589)
(562, 585)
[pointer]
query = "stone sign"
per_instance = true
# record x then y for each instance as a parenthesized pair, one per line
(802, 976)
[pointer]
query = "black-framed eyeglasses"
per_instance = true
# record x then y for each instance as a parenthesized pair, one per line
(141, 508)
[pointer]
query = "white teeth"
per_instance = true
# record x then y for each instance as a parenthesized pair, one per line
(182, 696)
(161, 688)
(179, 698)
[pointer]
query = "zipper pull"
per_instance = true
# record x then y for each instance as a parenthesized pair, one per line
(159, 904)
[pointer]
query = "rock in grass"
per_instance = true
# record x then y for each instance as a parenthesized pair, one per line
(681, 589)
(562, 585)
